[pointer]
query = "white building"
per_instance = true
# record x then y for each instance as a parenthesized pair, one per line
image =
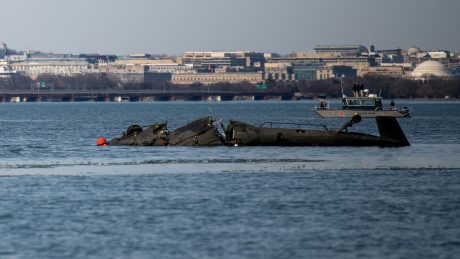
(34, 68)
(438, 54)
(171, 68)
(5, 70)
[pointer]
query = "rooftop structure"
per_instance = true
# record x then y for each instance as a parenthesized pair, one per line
(313, 54)
(413, 52)
(213, 59)
(343, 50)
(439, 54)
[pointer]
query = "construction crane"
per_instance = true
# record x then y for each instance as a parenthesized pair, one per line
(7, 56)
(7, 69)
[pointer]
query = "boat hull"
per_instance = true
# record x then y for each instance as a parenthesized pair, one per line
(345, 113)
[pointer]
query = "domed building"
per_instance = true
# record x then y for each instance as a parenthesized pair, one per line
(431, 68)
(413, 52)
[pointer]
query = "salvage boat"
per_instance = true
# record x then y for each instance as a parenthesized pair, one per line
(362, 103)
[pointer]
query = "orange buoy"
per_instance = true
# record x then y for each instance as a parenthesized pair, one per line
(101, 142)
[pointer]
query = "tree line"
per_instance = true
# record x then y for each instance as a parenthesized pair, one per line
(384, 86)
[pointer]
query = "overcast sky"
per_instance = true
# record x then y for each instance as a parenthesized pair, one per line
(174, 26)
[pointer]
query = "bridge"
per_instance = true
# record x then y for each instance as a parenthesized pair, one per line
(137, 95)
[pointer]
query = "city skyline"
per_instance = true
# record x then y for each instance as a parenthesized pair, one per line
(174, 27)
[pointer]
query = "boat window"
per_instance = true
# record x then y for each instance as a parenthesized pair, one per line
(360, 102)
(369, 102)
(353, 102)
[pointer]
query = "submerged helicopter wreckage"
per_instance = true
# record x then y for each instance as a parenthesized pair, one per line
(205, 132)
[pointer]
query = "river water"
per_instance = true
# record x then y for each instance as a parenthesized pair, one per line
(61, 196)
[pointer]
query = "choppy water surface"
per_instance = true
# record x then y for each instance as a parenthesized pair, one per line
(61, 196)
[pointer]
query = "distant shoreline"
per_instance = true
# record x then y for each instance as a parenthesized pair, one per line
(220, 101)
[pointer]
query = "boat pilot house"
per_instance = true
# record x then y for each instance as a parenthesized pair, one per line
(368, 103)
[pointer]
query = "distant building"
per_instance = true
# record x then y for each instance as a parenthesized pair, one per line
(305, 72)
(5, 70)
(141, 68)
(385, 71)
(413, 52)
(124, 73)
(358, 63)
(146, 61)
(396, 52)
(324, 73)
(134, 73)
(389, 56)
(96, 58)
(17, 58)
(213, 59)
(161, 65)
(170, 68)
(278, 72)
(313, 55)
(213, 78)
(416, 56)
(344, 71)
(327, 72)
(342, 50)
(455, 68)
(138, 55)
(157, 77)
(439, 55)
(63, 67)
(431, 69)
(209, 67)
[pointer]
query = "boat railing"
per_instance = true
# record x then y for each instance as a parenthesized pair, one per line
(297, 125)
(323, 105)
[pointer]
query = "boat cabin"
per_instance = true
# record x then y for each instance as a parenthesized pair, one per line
(362, 103)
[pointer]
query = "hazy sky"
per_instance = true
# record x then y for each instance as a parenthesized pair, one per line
(174, 26)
